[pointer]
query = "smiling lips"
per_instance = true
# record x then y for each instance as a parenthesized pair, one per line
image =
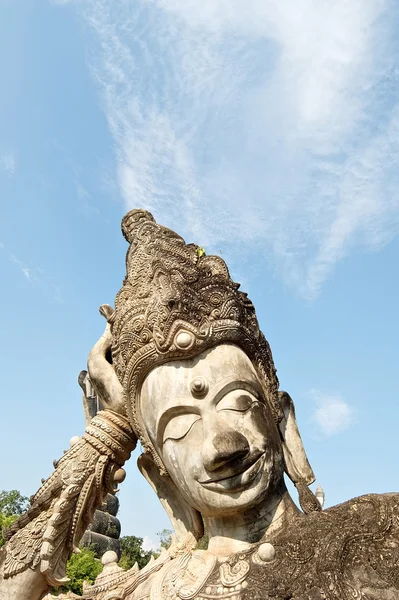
(237, 481)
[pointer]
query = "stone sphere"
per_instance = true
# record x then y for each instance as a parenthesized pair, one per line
(184, 340)
(266, 552)
(120, 475)
(74, 440)
(109, 557)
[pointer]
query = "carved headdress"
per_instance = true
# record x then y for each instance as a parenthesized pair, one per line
(175, 303)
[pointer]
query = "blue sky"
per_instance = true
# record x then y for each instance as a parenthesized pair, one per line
(267, 132)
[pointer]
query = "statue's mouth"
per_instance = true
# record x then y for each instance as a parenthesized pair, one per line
(239, 479)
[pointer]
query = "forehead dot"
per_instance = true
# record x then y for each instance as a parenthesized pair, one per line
(199, 387)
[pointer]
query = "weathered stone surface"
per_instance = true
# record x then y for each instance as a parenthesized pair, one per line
(110, 505)
(105, 524)
(195, 378)
(100, 543)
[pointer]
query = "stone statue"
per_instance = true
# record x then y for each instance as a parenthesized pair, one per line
(183, 367)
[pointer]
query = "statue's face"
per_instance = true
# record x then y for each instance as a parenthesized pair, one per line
(209, 421)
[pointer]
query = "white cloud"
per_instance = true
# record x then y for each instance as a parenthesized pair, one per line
(332, 414)
(36, 276)
(27, 272)
(148, 544)
(8, 163)
(272, 124)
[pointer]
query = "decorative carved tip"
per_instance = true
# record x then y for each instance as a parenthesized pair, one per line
(307, 500)
(81, 380)
(133, 220)
(106, 311)
(135, 568)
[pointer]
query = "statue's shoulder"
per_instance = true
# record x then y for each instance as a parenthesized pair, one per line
(349, 548)
(347, 551)
(365, 502)
(362, 521)
(356, 526)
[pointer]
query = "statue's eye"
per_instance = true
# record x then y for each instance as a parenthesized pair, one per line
(237, 400)
(179, 426)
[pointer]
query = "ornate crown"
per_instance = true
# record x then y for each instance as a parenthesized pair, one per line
(176, 302)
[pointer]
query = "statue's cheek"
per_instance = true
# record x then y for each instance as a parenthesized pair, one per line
(184, 462)
(261, 423)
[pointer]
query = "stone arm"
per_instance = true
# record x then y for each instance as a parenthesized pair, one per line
(40, 542)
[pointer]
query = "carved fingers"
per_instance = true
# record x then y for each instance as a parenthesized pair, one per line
(101, 371)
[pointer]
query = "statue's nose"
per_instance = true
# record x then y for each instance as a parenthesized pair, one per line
(223, 446)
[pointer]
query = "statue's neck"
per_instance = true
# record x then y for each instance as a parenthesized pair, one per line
(234, 533)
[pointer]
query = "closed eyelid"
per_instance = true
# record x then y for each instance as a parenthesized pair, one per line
(241, 387)
(170, 414)
(238, 401)
(179, 426)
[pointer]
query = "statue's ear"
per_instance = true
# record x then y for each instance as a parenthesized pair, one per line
(297, 465)
(184, 518)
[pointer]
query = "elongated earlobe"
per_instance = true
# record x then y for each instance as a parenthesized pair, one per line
(297, 465)
(185, 519)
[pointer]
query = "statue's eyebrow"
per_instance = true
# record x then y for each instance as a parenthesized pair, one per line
(169, 413)
(249, 385)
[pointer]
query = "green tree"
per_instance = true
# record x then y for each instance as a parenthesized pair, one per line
(81, 567)
(165, 538)
(132, 552)
(13, 503)
(5, 521)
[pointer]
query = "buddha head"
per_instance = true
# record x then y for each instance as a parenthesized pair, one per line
(199, 383)
(213, 430)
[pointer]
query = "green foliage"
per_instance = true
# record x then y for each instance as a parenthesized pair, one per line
(165, 538)
(81, 567)
(132, 552)
(203, 542)
(13, 503)
(200, 251)
(5, 521)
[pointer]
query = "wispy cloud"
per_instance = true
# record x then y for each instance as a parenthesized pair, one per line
(8, 163)
(267, 123)
(34, 275)
(148, 544)
(26, 271)
(332, 414)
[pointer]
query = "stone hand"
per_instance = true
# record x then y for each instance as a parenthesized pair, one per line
(101, 371)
